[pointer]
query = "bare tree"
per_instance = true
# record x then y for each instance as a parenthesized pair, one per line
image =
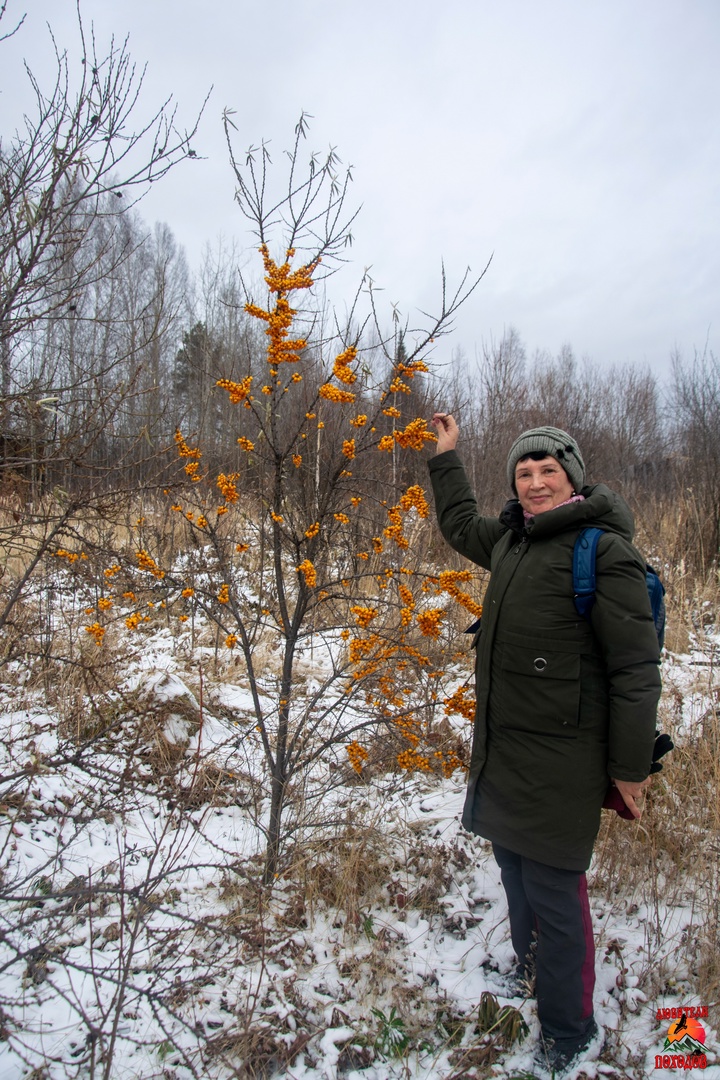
(80, 147)
(695, 408)
(68, 180)
(491, 399)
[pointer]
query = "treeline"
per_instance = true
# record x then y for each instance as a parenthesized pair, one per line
(657, 442)
(94, 391)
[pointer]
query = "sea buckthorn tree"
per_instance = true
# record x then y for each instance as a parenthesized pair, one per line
(316, 549)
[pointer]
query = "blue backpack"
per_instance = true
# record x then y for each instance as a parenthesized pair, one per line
(584, 581)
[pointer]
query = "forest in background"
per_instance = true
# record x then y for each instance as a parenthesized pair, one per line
(133, 346)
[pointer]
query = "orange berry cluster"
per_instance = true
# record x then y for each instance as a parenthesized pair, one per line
(282, 280)
(224, 594)
(183, 449)
(408, 727)
(97, 631)
(332, 393)
(449, 763)
(408, 600)
(394, 531)
(447, 578)
(238, 391)
(411, 760)
(415, 435)
(406, 596)
(460, 704)
(227, 486)
(146, 562)
(447, 583)
(429, 622)
(308, 570)
(416, 655)
(341, 368)
(71, 556)
(415, 496)
(357, 754)
(360, 648)
(364, 615)
(411, 369)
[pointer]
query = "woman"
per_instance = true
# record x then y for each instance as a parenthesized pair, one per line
(565, 706)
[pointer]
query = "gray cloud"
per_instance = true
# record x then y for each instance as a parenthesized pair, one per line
(578, 142)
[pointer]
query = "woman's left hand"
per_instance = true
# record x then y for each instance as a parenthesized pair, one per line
(630, 792)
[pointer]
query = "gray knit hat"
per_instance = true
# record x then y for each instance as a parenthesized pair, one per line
(557, 444)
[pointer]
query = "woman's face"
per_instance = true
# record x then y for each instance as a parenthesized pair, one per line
(541, 485)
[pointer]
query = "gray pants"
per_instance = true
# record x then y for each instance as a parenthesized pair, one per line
(550, 920)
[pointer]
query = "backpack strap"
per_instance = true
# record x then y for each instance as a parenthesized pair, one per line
(584, 554)
(656, 592)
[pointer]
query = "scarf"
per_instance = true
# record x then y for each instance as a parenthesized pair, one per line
(573, 499)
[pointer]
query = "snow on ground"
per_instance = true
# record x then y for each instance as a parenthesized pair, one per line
(133, 931)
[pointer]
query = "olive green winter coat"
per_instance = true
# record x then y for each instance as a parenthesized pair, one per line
(563, 703)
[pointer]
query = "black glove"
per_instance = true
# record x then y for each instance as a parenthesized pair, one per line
(663, 743)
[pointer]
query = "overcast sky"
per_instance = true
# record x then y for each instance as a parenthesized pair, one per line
(578, 143)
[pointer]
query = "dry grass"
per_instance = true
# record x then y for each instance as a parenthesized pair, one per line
(344, 869)
(669, 863)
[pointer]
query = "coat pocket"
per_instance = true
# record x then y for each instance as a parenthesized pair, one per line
(540, 690)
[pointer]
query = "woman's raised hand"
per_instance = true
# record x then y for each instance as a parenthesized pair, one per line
(447, 431)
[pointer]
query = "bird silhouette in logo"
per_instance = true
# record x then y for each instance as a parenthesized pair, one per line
(681, 1024)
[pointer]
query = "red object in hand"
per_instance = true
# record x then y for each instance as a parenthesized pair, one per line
(614, 801)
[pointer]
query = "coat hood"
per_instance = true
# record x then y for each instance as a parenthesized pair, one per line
(601, 507)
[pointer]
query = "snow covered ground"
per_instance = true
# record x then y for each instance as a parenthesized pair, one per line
(135, 941)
